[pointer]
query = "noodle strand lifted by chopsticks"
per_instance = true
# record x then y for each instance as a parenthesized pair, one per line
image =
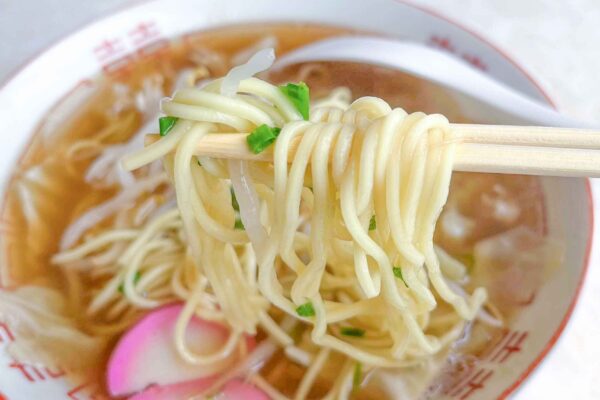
(339, 238)
(366, 161)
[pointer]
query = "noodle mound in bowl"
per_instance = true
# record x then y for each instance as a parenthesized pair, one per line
(497, 233)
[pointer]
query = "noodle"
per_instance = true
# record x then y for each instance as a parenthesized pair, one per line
(311, 244)
(311, 374)
(320, 263)
(364, 245)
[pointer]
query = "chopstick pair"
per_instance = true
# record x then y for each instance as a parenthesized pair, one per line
(527, 150)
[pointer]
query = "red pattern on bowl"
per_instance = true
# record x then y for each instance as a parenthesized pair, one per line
(143, 31)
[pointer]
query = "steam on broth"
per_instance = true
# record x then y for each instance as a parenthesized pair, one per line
(69, 188)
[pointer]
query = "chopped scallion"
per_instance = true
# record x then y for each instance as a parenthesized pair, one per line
(234, 202)
(398, 274)
(354, 332)
(136, 278)
(261, 138)
(306, 310)
(299, 95)
(239, 224)
(372, 224)
(165, 124)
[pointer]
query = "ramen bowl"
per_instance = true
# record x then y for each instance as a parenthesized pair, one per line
(63, 72)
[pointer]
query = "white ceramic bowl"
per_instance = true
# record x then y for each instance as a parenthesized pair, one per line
(55, 73)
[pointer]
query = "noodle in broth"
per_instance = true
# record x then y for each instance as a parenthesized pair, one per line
(307, 240)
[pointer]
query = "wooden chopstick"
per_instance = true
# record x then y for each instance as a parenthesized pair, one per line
(538, 136)
(482, 148)
(527, 160)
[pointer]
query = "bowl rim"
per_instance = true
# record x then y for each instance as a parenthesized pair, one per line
(15, 72)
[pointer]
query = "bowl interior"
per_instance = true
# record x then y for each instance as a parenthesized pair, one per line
(106, 44)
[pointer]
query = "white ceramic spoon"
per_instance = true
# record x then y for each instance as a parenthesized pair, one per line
(435, 66)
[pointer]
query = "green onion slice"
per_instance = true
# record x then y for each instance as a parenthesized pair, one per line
(136, 278)
(306, 310)
(299, 95)
(165, 124)
(398, 274)
(261, 138)
(372, 224)
(354, 332)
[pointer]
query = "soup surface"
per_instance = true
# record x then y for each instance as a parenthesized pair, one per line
(53, 186)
